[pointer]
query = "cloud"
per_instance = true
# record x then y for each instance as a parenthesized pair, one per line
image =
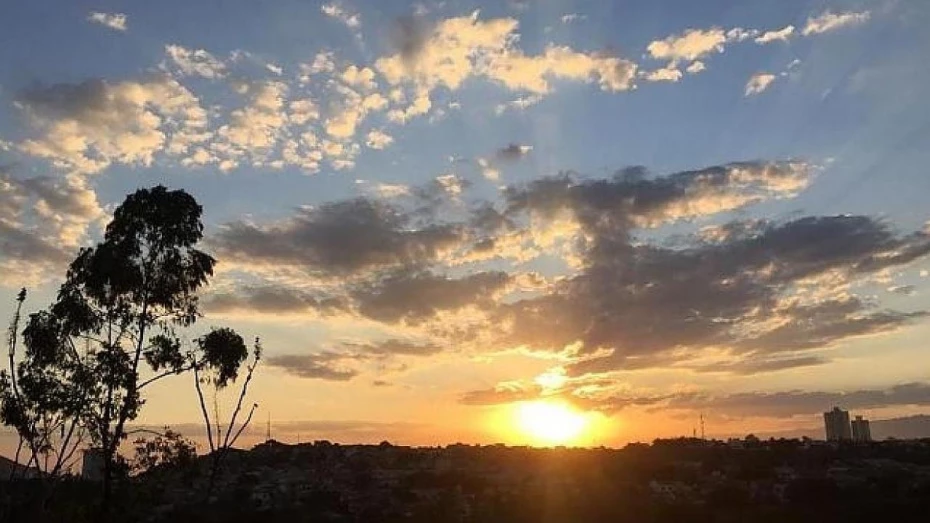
(572, 17)
(337, 11)
(323, 366)
(413, 297)
(378, 139)
(798, 403)
(503, 393)
(252, 131)
(690, 45)
(195, 62)
(759, 82)
(666, 74)
(513, 152)
(384, 190)
(696, 67)
(782, 35)
(739, 297)
(456, 49)
(338, 239)
(607, 394)
(115, 21)
(518, 104)
(391, 347)
(88, 126)
(829, 21)
(43, 221)
(349, 359)
(749, 367)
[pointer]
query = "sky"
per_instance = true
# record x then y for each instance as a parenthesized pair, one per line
(443, 219)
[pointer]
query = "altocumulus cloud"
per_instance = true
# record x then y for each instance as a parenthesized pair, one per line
(762, 295)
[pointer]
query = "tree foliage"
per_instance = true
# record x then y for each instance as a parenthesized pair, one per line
(121, 309)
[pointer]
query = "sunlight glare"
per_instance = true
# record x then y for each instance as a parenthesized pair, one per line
(550, 423)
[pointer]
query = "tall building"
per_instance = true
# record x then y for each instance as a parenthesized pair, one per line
(860, 429)
(836, 424)
(92, 465)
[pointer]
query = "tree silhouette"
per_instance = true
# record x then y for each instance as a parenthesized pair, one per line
(122, 303)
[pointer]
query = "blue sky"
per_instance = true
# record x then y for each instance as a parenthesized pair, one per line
(278, 116)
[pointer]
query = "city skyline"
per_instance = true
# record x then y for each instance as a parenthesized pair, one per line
(544, 223)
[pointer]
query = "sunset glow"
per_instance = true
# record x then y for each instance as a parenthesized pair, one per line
(547, 423)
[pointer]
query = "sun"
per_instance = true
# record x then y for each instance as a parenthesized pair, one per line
(549, 423)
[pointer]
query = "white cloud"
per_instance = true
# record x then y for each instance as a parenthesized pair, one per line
(829, 21)
(738, 34)
(322, 63)
(253, 130)
(696, 67)
(335, 10)
(669, 73)
(195, 62)
(115, 21)
(303, 111)
(43, 220)
(384, 190)
(451, 184)
(378, 139)
(86, 127)
(518, 104)
(361, 78)
(688, 46)
(782, 35)
(460, 48)
(572, 17)
(758, 82)
(489, 171)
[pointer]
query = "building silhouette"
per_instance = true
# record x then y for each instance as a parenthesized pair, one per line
(860, 429)
(836, 425)
(92, 465)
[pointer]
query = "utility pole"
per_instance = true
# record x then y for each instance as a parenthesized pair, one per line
(703, 436)
(268, 428)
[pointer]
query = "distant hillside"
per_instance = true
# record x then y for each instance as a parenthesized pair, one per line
(910, 427)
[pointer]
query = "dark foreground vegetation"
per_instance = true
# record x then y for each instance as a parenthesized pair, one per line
(670, 480)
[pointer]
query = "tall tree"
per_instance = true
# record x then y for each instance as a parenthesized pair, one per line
(121, 305)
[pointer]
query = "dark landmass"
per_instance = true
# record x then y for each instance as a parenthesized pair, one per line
(669, 481)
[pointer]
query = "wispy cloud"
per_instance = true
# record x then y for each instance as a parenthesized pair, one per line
(115, 21)
(758, 82)
(830, 21)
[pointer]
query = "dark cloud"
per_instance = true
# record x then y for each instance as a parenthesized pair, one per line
(43, 218)
(416, 296)
(644, 300)
(323, 365)
(512, 152)
(739, 405)
(82, 101)
(409, 37)
(502, 394)
(271, 299)
(345, 362)
(392, 347)
(339, 239)
(631, 198)
(793, 403)
(750, 366)
(749, 287)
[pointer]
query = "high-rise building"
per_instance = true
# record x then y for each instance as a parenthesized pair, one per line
(860, 429)
(836, 424)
